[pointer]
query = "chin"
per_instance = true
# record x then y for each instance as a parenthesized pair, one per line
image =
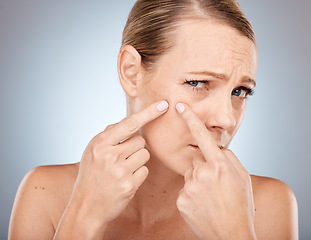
(167, 143)
(176, 161)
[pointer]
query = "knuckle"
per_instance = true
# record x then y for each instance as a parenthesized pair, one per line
(105, 154)
(109, 127)
(183, 204)
(111, 156)
(96, 151)
(180, 203)
(131, 124)
(96, 139)
(223, 168)
(99, 139)
(202, 174)
(119, 173)
(190, 189)
(128, 188)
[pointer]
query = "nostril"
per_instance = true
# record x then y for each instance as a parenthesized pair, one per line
(222, 123)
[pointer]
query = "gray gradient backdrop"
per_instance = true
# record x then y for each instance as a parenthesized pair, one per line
(59, 88)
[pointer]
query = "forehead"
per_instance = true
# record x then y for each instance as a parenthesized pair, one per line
(202, 44)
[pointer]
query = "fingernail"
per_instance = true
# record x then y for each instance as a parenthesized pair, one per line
(162, 106)
(180, 107)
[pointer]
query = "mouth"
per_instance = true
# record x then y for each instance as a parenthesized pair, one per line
(197, 148)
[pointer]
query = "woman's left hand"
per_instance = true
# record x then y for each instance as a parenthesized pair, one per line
(217, 199)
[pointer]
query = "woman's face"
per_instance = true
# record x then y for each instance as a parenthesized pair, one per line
(211, 68)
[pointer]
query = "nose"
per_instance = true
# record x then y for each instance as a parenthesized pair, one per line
(219, 114)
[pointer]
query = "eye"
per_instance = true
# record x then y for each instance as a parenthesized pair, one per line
(197, 84)
(242, 92)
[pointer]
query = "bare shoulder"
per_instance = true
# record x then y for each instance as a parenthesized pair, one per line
(276, 209)
(40, 200)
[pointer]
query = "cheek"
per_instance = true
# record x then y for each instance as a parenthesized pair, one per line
(148, 97)
(166, 126)
(151, 91)
(239, 111)
(239, 116)
(167, 133)
(167, 139)
(238, 104)
(170, 125)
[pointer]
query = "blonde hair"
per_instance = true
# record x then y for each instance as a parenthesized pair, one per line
(151, 23)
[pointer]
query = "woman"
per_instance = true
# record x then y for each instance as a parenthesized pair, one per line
(165, 171)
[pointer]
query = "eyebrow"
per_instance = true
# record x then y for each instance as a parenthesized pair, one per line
(222, 76)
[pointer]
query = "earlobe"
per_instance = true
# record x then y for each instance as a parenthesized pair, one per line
(129, 64)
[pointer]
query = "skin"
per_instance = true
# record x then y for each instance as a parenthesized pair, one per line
(165, 174)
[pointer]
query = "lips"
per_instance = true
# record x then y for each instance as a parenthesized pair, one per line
(196, 147)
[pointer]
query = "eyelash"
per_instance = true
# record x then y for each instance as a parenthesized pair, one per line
(195, 88)
(249, 91)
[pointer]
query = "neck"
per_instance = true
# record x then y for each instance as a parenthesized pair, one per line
(156, 199)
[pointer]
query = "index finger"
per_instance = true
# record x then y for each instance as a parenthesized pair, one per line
(131, 124)
(199, 132)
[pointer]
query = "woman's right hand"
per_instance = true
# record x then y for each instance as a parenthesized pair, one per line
(112, 167)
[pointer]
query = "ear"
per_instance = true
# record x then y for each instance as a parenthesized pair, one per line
(129, 66)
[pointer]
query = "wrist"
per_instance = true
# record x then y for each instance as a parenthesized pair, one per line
(77, 223)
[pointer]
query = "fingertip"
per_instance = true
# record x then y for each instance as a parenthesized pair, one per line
(141, 175)
(162, 106)
(180, 107)
(145, 169)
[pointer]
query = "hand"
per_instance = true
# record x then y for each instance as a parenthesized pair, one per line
(217, 200)
(111, 168)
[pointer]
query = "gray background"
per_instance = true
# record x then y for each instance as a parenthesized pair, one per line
(59, 88)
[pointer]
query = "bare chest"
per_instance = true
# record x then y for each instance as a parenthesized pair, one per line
(124, 229)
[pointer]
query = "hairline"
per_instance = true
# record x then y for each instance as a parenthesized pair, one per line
(191, 16)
